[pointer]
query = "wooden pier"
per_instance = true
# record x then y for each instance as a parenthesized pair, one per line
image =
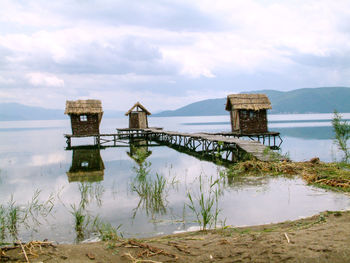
(227, 146)
(271, 139)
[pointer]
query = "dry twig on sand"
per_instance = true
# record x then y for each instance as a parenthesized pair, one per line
(285, 234)
(135, 260)
(24, 251)
(152, 250)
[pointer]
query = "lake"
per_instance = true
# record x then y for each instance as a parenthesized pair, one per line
(48, 192)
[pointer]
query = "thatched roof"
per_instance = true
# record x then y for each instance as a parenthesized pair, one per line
(83, 107)
(138, 105)
(254, 102)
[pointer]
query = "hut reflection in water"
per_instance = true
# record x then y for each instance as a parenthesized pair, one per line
(139, 151)
(87, 166)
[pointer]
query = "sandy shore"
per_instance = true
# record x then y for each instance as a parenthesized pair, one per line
(321, 238)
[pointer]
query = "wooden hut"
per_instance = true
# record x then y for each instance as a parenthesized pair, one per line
(87, 166)
(138, 116)
(85, 116)
(248, 112)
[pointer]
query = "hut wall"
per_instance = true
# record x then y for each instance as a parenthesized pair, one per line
(88, 127)
(138, 120)
(252, 121)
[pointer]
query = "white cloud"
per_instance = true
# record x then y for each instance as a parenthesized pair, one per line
(121, 50)
(6, 80)
(44, 79)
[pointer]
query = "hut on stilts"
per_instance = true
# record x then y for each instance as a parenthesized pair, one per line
(248, 113)
(138, 116)
(85, 115)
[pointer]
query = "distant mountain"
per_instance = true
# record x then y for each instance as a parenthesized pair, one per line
(308, 100)
(200, 108)
(16, 112)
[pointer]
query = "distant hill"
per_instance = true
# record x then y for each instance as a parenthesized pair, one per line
(308, 100)
(16, 112)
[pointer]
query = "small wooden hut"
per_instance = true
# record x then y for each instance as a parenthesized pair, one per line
(85, 116)
(248, 112)
(138, 116)
(87, 166)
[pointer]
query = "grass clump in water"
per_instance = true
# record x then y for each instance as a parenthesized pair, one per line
(13, 217)
(205, 206)
(106, 231)
(335, 176)
(151, 193)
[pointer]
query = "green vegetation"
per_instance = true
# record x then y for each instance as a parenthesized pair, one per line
(14, 216)
(107, 232)
(80, 222)
(208, 210)
(342, 134)
(335, 176)
(84, 223)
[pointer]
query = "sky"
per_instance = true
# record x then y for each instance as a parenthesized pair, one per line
(167, 54)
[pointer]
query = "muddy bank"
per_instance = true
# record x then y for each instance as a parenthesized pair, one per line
(321, 238)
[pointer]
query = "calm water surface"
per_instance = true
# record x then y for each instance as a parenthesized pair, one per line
(120, 180)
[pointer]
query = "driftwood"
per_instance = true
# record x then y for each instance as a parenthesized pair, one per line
(24, 252)
(285, 234)
(149, 250)
(135, 260)
(26, 248)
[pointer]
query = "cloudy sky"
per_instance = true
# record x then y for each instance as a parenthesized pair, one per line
(165, 53)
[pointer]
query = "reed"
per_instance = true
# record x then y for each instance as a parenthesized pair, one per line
(79, 222)
(106, 231)
(205, 205)
(13, 214)
(152, 194)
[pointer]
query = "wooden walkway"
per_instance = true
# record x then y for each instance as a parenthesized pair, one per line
(226, 147)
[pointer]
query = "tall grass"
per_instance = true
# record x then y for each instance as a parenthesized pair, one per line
(80, 222)
(13, 217)
(206, 205)
(106, 231)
